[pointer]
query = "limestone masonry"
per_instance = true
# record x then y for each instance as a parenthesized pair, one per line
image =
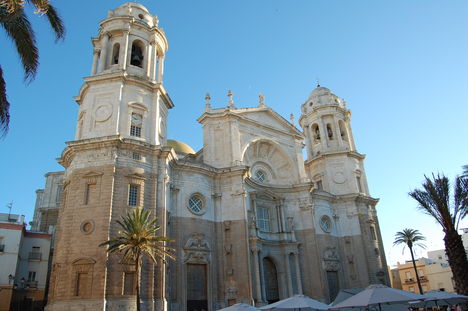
(252, 220)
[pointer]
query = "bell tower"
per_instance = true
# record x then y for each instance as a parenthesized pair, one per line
(124, 95)
(333, 162)
(118, 161)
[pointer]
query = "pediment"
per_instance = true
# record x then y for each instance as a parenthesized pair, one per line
(269, 118)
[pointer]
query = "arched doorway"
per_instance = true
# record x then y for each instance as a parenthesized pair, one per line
(270, 278)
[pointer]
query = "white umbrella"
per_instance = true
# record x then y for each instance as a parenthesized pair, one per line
(437, 298)
(299, 302)
(239, 307)
(378, 294)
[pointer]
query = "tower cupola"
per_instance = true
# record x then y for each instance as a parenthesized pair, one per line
(326, 123)
(124, 96)
(130, 40)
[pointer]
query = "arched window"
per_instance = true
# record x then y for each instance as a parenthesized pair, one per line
(115, 54)
(329, 131)
(342, 129)
(137, 54)
(316, 132)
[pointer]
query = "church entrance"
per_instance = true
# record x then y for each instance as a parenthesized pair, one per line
(333, 284)
(197, 293)
(270, 277)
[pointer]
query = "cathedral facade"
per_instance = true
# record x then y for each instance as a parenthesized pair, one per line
(252, 220)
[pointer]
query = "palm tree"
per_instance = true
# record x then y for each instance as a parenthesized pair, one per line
(18, 28)
(434, 200)
(138, 239)
(411, 238)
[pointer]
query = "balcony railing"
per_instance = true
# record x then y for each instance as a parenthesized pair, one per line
(410, 280)
(423, 278)
(35, 256)
(31, 284)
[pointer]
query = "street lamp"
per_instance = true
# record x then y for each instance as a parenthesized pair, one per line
(10, 278)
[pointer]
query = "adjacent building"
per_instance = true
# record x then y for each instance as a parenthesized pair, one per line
(24, 257)
(252, 220)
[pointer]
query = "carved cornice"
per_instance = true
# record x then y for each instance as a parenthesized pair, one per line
(277, 188)
(323, 156)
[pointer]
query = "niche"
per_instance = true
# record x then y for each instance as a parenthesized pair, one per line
(136, 58)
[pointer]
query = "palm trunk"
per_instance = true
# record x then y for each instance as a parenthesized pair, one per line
(137, 271)
(415, 270)
(458, 262)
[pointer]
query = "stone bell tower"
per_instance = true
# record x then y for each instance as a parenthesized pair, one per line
(117, 162)
(333, 162)
(124, 94)
(337, 170)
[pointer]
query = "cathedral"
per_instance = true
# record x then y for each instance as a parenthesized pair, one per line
(252, 220)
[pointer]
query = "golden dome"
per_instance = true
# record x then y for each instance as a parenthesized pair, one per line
(180, 147)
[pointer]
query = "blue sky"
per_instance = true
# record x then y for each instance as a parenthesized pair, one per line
(401, 66)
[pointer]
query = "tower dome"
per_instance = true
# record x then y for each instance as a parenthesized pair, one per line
(322, 96)
(135, 10)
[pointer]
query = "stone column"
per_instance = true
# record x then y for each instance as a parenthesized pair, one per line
(160, 68)
(125, 49)
(338, 133)
(288, 274)
(298, 273)
(103, 58)
(95, 61)
(258, 287)
(150, 56)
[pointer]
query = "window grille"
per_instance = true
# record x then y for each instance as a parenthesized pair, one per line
(196, 204)
(263, 219)
(133, 195)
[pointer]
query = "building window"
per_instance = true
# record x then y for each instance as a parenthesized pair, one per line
(81, 284)
(136, 156)
(115, 54)
(135, 127)
(263, 219)
(329, 131)
(325, 223)
(137, 54)
(133, 192)
(129, 283)
(90, 192)
(408, 275)
(316, 133)
(319, 185)
(260, 176)
(58, 196)
(2, 246)
(359, 185)
(195, 204)
(411, 289)
(31, 276)
(373, 234)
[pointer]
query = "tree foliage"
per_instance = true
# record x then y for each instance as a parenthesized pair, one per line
(435, 199)
(138, 238)
(411, 238)
(18, 28)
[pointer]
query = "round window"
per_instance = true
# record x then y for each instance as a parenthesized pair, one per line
(87, 226)
(260, 176)
(325, 223)
(195, 204)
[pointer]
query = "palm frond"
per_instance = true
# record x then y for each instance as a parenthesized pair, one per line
(20, 31)
(12, 6)
(56, 23)
(4, 106)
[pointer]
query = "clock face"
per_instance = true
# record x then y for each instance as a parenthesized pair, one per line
(136, 119)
